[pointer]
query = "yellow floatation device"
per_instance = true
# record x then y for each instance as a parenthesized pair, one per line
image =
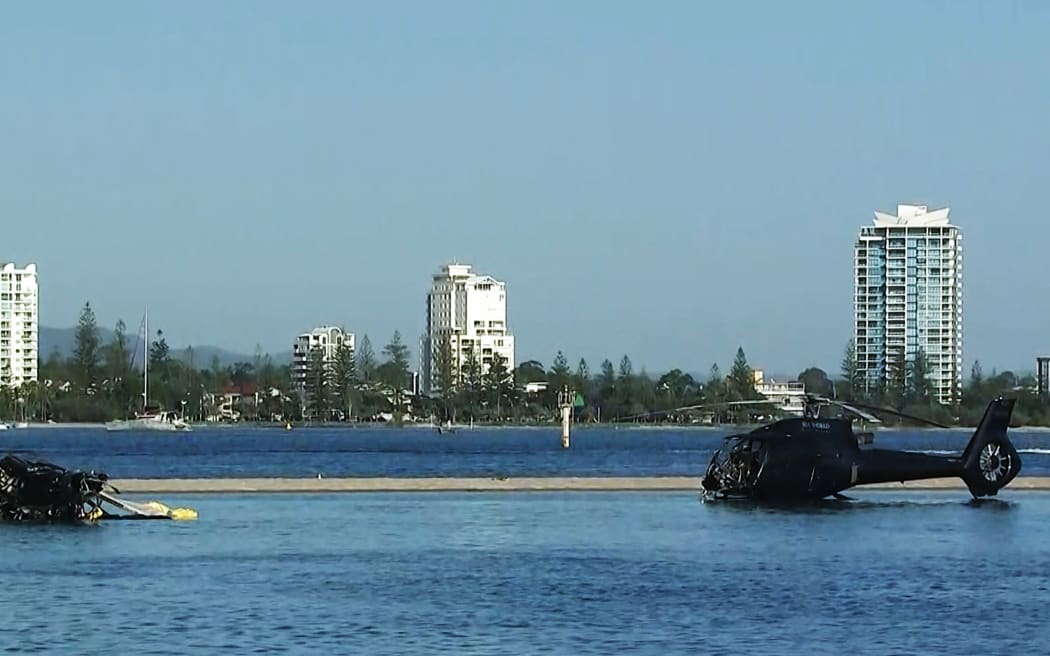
(150, 508)
(174, 513)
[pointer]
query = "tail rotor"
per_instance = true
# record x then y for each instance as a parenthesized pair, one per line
(990, 460)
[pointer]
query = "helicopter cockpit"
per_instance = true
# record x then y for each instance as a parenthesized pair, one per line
(737, 466)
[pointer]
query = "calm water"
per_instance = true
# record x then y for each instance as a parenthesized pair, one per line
(534, 573)
(237, 451)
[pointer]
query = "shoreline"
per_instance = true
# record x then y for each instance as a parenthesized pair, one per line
(523, 484)
(457, 429)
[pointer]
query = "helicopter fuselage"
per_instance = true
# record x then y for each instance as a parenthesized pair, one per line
(800, 458)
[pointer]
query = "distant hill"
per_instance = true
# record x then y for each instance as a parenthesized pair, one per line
(64, 339)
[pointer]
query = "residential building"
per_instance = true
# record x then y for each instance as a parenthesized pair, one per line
(1042, 373)
(328, 339)
(908, 298)
(470, 312)
(789, 396)
(19, 324)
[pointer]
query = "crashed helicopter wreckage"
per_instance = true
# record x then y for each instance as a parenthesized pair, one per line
(37, 491)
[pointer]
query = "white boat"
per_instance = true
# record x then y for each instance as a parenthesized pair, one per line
(4, 426)
(149, 419)
(22, 424)
(159, 421)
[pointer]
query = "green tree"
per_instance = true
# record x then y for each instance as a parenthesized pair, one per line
(54, 367)
(86, 350)
(851, 373)
(318, 387)
(499, 384)
(625, 388)
(530, 371)
(816, 381)
(241, 373)
(344, 373)
(396, 371)
(268, 374)
(560, 374)
(118, 369)
(896, 378)
(715, 388)
(219, 375)
(366, 360)
(160, 378)
(742, 379)
(444, 374)
(976, 374)
(473, 381)
(7, 391)
(675, 389)
(582, 379)
(920, 390)
(159, 357)
(606, 390)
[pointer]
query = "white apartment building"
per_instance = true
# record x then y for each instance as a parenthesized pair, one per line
(908, 296)
(329, 338)
(470, 310)
(790, 396)
(19, 324)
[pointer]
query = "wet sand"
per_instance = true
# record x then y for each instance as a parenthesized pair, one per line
(578, 484)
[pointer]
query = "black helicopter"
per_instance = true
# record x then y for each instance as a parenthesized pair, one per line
(814, 456)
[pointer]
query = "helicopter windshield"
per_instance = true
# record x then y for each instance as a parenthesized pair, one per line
(736, 467)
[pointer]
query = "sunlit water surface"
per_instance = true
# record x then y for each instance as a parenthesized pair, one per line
(537, 573)
(381, 451)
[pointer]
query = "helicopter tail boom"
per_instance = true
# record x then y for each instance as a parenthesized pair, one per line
(990, 460)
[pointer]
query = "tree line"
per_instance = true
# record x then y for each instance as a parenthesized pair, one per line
(907, 388)
(102, 381)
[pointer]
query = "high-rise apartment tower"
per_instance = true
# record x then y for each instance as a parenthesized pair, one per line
(908, 298)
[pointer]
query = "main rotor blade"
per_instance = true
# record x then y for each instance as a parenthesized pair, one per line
(698, 406)
(903, 415)
(860, 413)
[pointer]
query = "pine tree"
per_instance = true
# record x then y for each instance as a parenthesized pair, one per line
(919, 388)
(159, 357)
(445, 375)
(366, 360)
(625, 386)
(897, 378)
(714, 389)
(86, 352)
(582, 380)
(607, 389)
(396, 368)
(560, 374)
(118, 369)
(851, 373)
(343, 376)
(318, 386)
(742, 379)
(498, 383)
(473, 382)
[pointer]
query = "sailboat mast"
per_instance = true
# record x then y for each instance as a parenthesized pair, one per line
(145, 360)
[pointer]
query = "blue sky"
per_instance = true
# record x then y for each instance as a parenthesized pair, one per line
(668, 180)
